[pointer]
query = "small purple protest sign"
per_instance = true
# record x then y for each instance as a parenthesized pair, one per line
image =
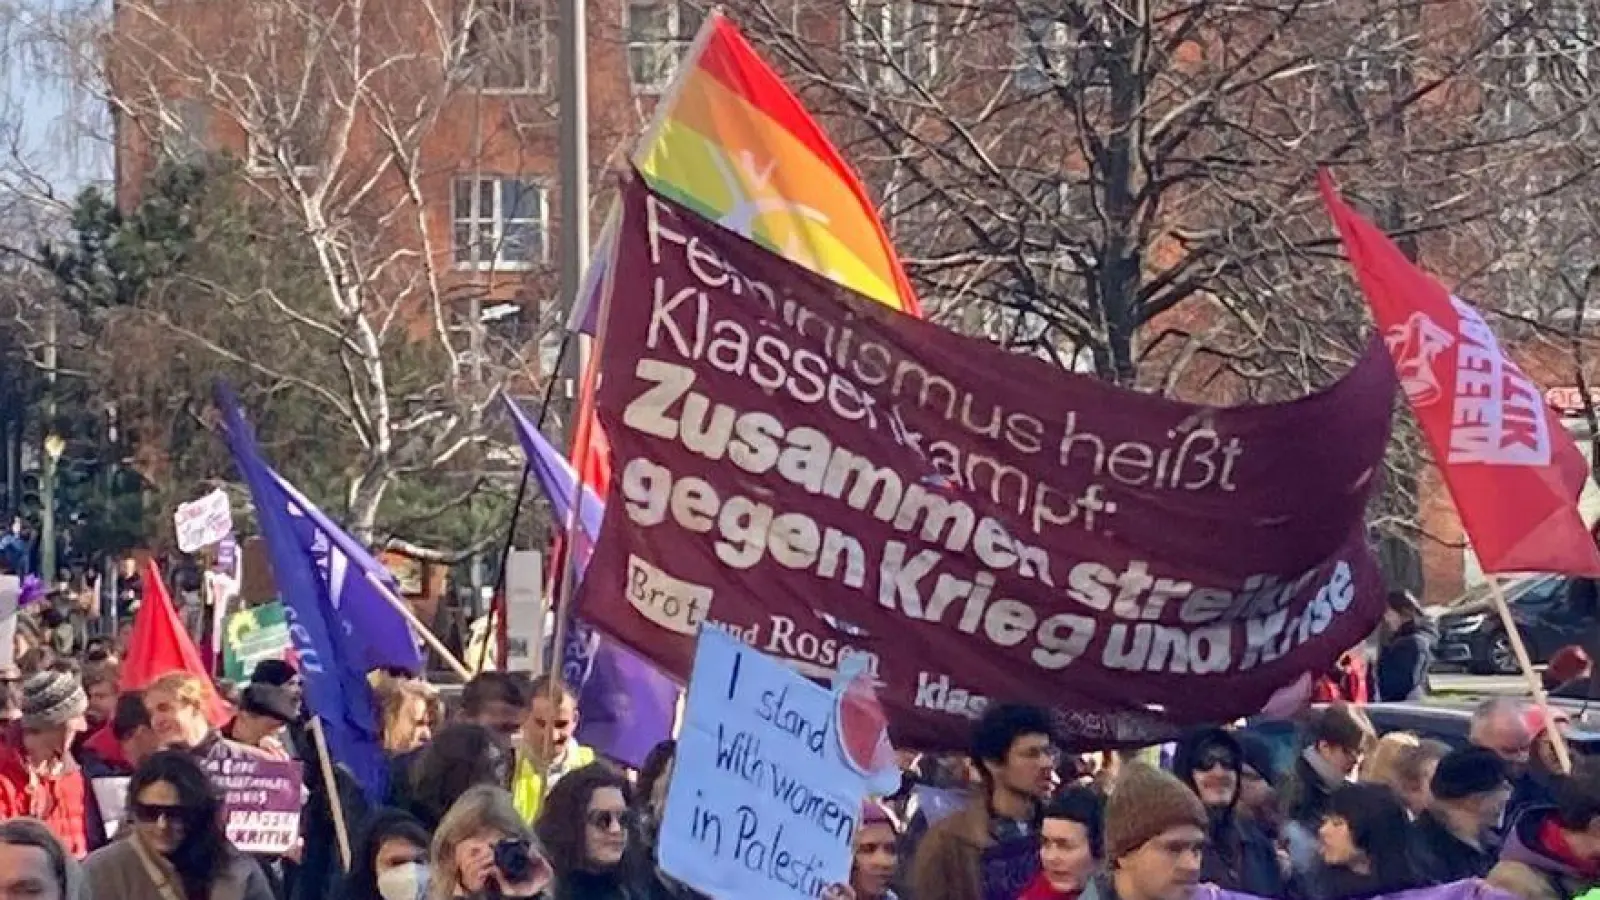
(262, 799)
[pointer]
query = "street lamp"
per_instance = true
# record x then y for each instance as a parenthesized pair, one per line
(54, 446)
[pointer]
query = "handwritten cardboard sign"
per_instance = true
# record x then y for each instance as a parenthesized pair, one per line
(764, 801)
(262, 800)
(203, 522)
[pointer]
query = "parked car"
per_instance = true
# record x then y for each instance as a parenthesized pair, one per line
(1443, 723)
(1551, 611)
(1447, 723)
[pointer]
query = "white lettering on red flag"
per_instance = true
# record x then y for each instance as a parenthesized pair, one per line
(1515, 479)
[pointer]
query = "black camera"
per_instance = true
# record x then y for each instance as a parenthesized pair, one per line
(516, 861)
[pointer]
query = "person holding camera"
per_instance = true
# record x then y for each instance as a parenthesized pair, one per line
(482, 850)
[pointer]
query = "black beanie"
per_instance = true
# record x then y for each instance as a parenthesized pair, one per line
(1258, 756)
(1467, 772)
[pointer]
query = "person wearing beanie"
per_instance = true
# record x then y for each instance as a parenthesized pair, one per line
(1239, 856)
(264, 712)
(1258, 784)
(38, 775)
(1569, 666)
(1155, 838)
(1453, 836)
(989, 850)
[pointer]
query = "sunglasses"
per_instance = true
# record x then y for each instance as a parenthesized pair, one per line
(603, 819)
(1216, 756)
(150, 813)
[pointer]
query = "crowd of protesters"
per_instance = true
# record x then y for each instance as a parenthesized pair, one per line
(107, 795)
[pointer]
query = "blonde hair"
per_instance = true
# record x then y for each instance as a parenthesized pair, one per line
(185, 686)
(395, 697)
(479, 808)
(25, 832)
(1400, 761)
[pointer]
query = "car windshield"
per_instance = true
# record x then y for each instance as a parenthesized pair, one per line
(1517, 590)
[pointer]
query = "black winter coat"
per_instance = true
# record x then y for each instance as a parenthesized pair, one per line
(1404, 660)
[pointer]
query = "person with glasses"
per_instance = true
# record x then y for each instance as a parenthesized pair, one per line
(1240, 856)
(585, 827)
(1155, 839)
(175, 848)
(990, 848)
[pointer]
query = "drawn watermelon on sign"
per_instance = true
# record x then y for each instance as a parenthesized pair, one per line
(864, 729)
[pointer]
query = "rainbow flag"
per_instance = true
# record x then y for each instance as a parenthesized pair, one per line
(732, 142)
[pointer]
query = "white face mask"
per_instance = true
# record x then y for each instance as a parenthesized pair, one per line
(408, 881)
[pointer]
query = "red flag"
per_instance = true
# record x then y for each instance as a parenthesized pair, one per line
(160, 644)
(1514, 474)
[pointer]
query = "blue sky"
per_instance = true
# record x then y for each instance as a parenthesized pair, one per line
(51, 112)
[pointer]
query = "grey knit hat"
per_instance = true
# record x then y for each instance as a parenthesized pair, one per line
(51, 699)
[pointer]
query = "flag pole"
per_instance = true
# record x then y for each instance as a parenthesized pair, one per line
(331, 785)
(588, 376)
(416, 625)
(497, 606)
(1535, 686)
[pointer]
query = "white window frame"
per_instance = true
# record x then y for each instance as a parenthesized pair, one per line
(475, 221)
(671, 47)
(889, 20)
(536, 53)
(1055, 39)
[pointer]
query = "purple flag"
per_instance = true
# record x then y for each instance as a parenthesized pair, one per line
(1469, 889)
(625, 705)
(369, 618)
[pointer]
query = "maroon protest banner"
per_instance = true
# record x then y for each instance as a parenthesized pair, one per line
(822, 478)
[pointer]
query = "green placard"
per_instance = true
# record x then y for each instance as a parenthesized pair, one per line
(251, 636)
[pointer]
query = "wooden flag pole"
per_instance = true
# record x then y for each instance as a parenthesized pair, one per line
(1535, 686)
(416, 625)
(331, 785)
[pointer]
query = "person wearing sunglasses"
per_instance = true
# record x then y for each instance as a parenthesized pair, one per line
(1238, 856)
(176, 847)
(585, 828)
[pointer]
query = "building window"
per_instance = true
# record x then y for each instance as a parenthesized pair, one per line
(506, 46)
(1043, 44)
(891, 41)
(185, 129)
(500, 223)
(658, 32)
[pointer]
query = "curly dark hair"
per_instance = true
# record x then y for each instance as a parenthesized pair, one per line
(205, 852)
(461, 755)
(563, 822)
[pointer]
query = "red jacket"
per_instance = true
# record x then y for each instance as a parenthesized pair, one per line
(1347, 681)
(59, 799)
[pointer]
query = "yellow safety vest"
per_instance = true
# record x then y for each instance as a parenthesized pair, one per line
(527, 782)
